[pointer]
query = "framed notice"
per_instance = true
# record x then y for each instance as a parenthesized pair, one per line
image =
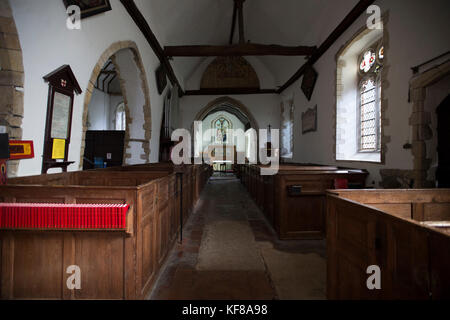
(21, 150)
(59, 149)
(62, 88)
(61, 116)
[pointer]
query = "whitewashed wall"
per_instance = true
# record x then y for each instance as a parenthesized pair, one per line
(265, 108)
(47, 44)
(418, 31)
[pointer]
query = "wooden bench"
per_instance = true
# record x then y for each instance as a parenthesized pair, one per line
(114, 264)
(293, 200)
(404, 232)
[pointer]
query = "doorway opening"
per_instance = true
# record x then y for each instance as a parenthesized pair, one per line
(106, 122)
(443, 137)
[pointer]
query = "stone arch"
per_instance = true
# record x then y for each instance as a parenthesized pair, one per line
(420, 120)
(147, 127)
(11, 79)
(229, 102)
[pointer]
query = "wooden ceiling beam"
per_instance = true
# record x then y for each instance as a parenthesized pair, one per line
(354, 14)
(233, 23)
(247, 49)
(142, 24)
(229, 91)
(240, 7)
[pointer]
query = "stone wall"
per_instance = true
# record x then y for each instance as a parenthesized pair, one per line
(11, 79)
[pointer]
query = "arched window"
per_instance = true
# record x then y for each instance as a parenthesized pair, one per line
(221, 126)
(121, 118)
(359, 68)
(370, 68)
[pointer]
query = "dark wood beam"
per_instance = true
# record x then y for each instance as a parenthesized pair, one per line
(240, 7)
(233, 23)
(229, 91)
(142, 24)
(354, 14)
(247, 49)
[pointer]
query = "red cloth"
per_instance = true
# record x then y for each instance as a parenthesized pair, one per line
(62, 216)
(341, 184)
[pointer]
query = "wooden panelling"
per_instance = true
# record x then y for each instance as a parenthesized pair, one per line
(403, 210)
(42, 255)
(414, 257)
(114, 265)
(437, 211)
(100, 257)
(299, 214)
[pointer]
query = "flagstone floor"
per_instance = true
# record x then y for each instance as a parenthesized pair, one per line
(229, 251)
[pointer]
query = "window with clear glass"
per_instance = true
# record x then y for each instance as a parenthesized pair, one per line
(121, 118)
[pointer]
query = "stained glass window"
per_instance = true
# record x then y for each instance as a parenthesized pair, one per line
(222, 126)
(381, 53)
(367, 61)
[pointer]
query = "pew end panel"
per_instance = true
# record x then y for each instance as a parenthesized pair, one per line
(412, 255)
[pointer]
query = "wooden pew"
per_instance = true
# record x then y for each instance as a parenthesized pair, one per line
(293, 200)
(114, 264)
(404, 232)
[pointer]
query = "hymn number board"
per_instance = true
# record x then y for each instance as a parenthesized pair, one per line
(62, 86)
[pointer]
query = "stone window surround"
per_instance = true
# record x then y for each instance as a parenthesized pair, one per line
(420, 121)
(147, 127)
(384, 83)
(11, 79)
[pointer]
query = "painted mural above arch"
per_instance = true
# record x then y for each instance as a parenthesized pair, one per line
(230, 72)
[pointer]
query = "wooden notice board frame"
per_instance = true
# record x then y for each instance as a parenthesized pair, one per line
(62, 85)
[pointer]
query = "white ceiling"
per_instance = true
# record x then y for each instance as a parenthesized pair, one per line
(208, 22)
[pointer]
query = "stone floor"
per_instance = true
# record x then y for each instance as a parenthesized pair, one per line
(230, 252)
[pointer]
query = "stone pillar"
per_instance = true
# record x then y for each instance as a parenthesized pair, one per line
(11, 78)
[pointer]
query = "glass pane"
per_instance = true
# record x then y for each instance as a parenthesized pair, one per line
(367, 61)
(60, 116)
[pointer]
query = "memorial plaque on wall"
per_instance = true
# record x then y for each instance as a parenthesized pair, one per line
(309, 120)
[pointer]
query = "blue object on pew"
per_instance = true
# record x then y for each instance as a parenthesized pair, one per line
(99, 163)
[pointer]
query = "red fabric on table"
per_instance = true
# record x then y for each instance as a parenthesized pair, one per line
(62, 216)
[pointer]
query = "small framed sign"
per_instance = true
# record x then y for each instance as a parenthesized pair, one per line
(89, 7)
(21, 150)
(309, 120)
